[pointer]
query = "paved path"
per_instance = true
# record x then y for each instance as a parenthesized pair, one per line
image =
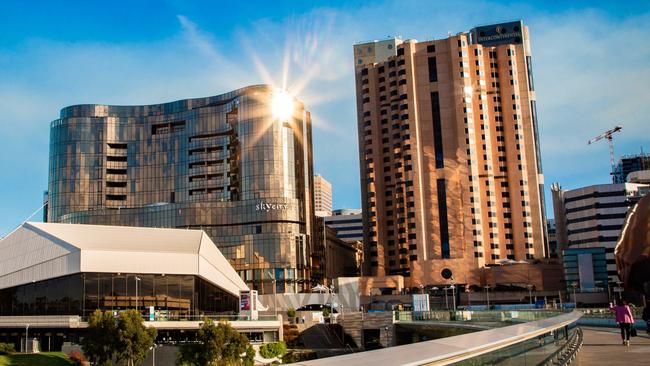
(602, 346)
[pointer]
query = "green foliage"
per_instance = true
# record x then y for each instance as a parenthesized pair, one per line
(271, 350)
(217, 345)
(134, 340)
(99, 342)
(326, 312)
(249, 359)
(36, 359)
(295, 356)
(291, 313)
(125, 338)
(6, 348)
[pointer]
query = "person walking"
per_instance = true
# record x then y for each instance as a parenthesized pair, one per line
(624, 319)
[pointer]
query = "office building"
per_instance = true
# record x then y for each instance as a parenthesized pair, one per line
(588, 224)
(236, 165)
(322, 196)
(333, 257)
(348, 224)
(629, 164)
(451, 175)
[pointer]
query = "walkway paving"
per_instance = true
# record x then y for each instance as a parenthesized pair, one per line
(602, 346)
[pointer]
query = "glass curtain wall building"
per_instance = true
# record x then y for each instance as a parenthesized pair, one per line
(173, 296)
(226, 164)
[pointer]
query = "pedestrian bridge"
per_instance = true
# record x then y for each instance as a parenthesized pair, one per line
(509, 337)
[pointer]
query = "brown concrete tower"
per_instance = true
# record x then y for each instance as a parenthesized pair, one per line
(451, 176)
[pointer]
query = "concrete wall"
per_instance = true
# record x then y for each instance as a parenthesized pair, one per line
(354, 323)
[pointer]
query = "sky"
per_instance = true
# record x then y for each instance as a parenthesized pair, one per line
(591, 62)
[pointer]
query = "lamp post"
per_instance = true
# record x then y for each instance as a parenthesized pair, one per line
(137, 279)
(487, 293)
(26, 336)
(453, 291)
(421, 288)
(453, 295)
(469, 297)
(530, 294)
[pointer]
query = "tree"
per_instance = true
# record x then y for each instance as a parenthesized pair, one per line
(217, 345)
(99, 342)
(134, 340)
(125, 338)
(271, 350)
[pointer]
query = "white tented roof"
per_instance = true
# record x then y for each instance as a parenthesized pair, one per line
(39, 251)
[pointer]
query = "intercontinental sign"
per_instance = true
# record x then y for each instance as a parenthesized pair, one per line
(504, 33)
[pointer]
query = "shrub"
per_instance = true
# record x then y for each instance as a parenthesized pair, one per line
(271, 350)
(326, 312)
(77, 357)
(6, 348)
(291, 313)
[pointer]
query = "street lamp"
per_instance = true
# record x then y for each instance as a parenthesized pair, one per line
(453, 295)
(575, 301)
(137, 279)
(453, 291)
(530, 294)
(469, 297)
(487, 293)
(421, 288)
(26, 336)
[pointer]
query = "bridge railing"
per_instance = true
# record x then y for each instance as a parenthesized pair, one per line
(513, 316)
(528, 343)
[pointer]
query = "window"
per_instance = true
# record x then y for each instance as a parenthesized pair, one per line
(442, 214)
(433, 70)
(437, 130)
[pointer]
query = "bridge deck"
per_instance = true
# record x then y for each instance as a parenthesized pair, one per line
(602, 346)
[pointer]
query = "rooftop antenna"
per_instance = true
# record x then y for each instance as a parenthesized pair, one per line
(609, 136)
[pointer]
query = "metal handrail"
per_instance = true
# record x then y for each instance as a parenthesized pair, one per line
(453, 349)
(561, 356)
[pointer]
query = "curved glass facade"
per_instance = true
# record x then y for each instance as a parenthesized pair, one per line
(223, 164)
(172, 296)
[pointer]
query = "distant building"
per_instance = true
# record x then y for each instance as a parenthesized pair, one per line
(552, 238)
(348, 224)
(630, 163)
(322, 196)
(333, 257)
(591, 218)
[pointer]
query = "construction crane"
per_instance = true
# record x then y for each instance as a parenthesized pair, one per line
(609, 136)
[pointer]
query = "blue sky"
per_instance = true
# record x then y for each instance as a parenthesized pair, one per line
(591, 67)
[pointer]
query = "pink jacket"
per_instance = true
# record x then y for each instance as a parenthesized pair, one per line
(623, 314)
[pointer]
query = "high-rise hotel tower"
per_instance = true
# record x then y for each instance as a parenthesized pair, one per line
(236, 165)
(451, 176)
